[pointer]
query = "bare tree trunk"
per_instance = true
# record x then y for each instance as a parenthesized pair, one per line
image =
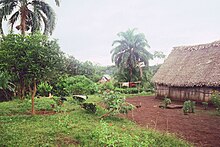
(33, 91)
(22, 91)
(21, 88)
(130, 71)
(141, 72)
(23, 19)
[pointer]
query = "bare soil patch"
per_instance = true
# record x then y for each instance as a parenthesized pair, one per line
(202, 128)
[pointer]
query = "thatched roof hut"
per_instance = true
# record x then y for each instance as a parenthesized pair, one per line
(190, 67)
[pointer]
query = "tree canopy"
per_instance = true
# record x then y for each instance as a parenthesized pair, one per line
(32, 14)
(130, 50)
(29, 59)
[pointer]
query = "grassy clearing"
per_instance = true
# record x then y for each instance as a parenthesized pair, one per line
(74, 127)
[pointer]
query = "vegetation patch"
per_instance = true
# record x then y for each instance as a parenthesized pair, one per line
(75, 128)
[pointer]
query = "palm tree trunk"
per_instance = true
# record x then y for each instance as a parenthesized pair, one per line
(141, 72)
(130, 72)
(23, 19)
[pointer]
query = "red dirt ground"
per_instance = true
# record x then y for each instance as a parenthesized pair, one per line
(201, 128)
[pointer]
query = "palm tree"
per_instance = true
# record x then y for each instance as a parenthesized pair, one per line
(130, 51)
(31, 14)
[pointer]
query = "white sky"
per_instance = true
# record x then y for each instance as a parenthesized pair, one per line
(87, 28)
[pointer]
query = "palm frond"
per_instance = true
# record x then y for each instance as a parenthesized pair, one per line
(130, 50)
(48, 12)
(13, 19)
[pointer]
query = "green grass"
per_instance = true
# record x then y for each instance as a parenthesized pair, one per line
(76, 127)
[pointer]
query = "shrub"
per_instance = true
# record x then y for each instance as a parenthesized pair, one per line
(166, 102)
(215, 99)
(75, 85)
(188, 107)
(80, 85)
(44, 89)
(115, 103)
(106, 86)
(60, 88)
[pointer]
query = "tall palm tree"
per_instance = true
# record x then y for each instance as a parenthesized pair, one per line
(31, 14)
(130, 50)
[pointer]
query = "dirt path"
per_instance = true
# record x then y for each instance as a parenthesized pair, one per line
(200, 128)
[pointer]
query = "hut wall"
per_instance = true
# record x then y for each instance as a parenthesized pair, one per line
(162, 91)
(199, 94)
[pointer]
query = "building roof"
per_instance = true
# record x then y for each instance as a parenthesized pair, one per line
(187, 66)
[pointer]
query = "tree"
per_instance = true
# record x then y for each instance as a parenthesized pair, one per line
(31, 13)
(29, 59)
(130, 50)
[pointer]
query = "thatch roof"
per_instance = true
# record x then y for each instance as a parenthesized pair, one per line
(188, 66)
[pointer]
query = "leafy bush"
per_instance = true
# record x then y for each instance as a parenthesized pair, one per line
(59, 87)
(188, 107)
(215, 99)
(106, 86)
(44, 89)
(80, 85)
(115, 103)
(166, 102)
(75, 85)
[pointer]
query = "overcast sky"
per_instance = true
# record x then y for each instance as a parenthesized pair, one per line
(87, 28)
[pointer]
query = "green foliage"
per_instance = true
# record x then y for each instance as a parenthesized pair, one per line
(128, 51)
(23, 106)
(64, 122)
(75, 85)
(44, 89)
(60, 87)
(205, 105)
(29, 58)
(158, 54)
(32, 16)
(14, 107)
(79, 85)
(106, 86)
(92, 71)
(146, 80)
(166, 102)
(107, 135)
(76, 128)
(188, 107)
(115, 103)
(132, 90)
(44, 104)
(5, 83)
(6, 87)
(215, 99)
